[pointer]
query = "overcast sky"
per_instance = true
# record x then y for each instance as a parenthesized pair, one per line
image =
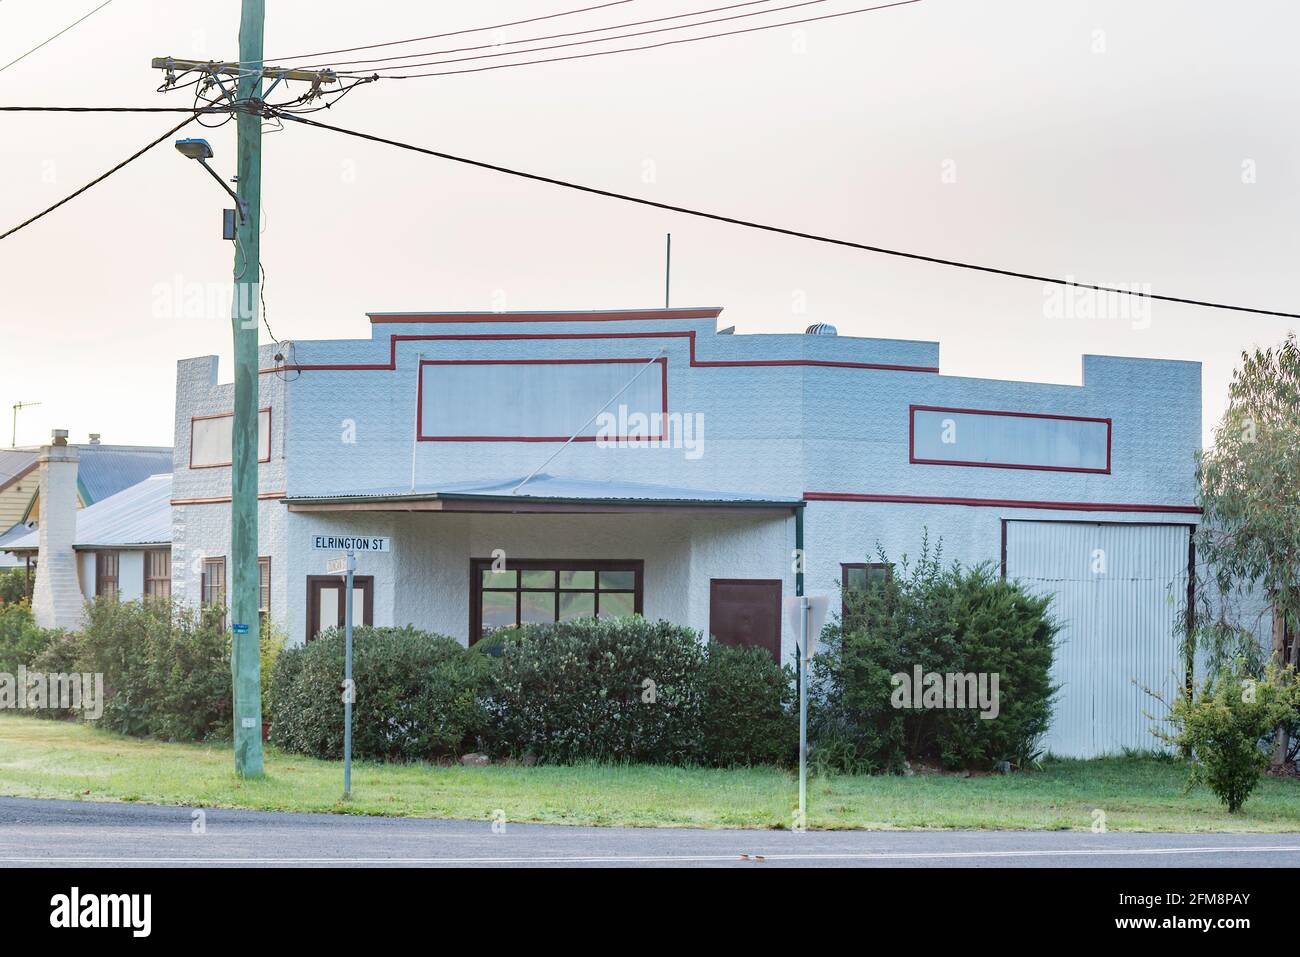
(1151, 143)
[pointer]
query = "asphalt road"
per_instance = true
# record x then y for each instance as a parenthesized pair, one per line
(74, 833)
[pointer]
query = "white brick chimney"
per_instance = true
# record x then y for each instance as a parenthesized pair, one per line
(56, 596)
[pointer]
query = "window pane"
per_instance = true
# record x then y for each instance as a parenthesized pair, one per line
(498, 610)
(541, 578)
(577, 579)
(501, 579)
(857, 578)
(625, 579)
(577, 604)
(616, 604)
(537, 606)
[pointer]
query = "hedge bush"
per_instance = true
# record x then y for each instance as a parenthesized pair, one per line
(418, 696)
(20, 638)
(622, 689)
(749, 708)
(166, 667)
(946, 621)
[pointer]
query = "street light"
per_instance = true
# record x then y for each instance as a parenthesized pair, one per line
(201, 150)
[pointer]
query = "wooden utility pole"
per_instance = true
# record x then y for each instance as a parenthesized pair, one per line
(244, 579)
(247, 73)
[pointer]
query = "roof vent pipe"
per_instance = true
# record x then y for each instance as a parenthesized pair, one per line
(94, 438)
(821, 329)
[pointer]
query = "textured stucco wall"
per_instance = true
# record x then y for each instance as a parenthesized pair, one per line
(775, 429)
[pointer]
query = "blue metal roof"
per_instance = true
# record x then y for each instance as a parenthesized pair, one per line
(104, 470)
(546, 487)
(139, 515)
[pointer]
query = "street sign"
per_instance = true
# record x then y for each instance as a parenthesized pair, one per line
(336, 566)
(361, 544)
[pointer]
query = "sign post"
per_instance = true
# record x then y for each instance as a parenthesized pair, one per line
(349, 693)
(806, 614)
(347, 565)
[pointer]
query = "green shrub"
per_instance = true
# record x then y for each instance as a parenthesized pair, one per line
(13, 585)
(622, 689)
(945, 621)
(749, 708)
(166, 668)
(1227, 725)
(20, 639)
(418, 696)
(272, 643)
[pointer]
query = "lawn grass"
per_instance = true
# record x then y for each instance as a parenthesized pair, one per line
(52, 759)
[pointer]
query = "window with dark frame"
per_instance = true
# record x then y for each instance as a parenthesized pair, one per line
(263, 590)
(859, 576)
(158, 573)
(106, 574)
(214, 582)
(545, 590)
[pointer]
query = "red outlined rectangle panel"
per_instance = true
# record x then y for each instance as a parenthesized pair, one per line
(534, 400)
(995, 439)
(222, 440)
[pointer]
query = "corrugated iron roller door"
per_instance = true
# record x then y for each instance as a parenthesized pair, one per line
(1118, 591)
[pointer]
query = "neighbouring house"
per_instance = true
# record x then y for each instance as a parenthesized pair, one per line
(537, 466)
(103, 471)
(117, 545)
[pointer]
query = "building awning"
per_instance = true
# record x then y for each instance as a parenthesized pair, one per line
(138, 516)
(542, 493)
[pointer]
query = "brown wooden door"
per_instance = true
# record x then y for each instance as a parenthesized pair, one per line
(746, 612)
(326, 607)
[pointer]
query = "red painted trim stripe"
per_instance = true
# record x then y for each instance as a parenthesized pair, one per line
(911, 439)
(419, 398)
(688, 334)
(998, 503)
(222, 499)
(614, 315)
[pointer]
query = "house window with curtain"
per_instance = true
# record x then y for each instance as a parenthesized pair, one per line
(158, 573)
(106, 574)
(214, 583)
(263, 591)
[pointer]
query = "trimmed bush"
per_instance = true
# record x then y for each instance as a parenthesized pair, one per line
(1227, 726)
(945, 621)
(13, 585)
(418, 696)
(749, 708)
(20, 639)
(622, 689)
(166, 668)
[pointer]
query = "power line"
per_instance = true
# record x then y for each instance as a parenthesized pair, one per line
(936, 260)
(622, 36)
(647, 46)
(103, 176)
(55, 37)
(439, 36)
(109, 109)
(553, 36)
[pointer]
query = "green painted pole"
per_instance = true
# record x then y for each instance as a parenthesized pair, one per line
(244, 579)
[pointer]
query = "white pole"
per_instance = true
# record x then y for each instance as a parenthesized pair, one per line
(348, 692)
(804, 611)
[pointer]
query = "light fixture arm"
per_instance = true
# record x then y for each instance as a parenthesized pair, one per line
(243, 206)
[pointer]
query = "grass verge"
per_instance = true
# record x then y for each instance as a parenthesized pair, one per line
(52, 759)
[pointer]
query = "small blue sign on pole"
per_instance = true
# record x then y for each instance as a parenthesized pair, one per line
(239, 629)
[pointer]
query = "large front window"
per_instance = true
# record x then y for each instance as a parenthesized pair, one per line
(539, 591)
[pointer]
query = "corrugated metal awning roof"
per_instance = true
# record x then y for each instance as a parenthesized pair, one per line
(545, 490)
(139, 515)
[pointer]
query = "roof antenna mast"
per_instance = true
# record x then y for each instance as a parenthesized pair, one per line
(668, 268)
(13, 438)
